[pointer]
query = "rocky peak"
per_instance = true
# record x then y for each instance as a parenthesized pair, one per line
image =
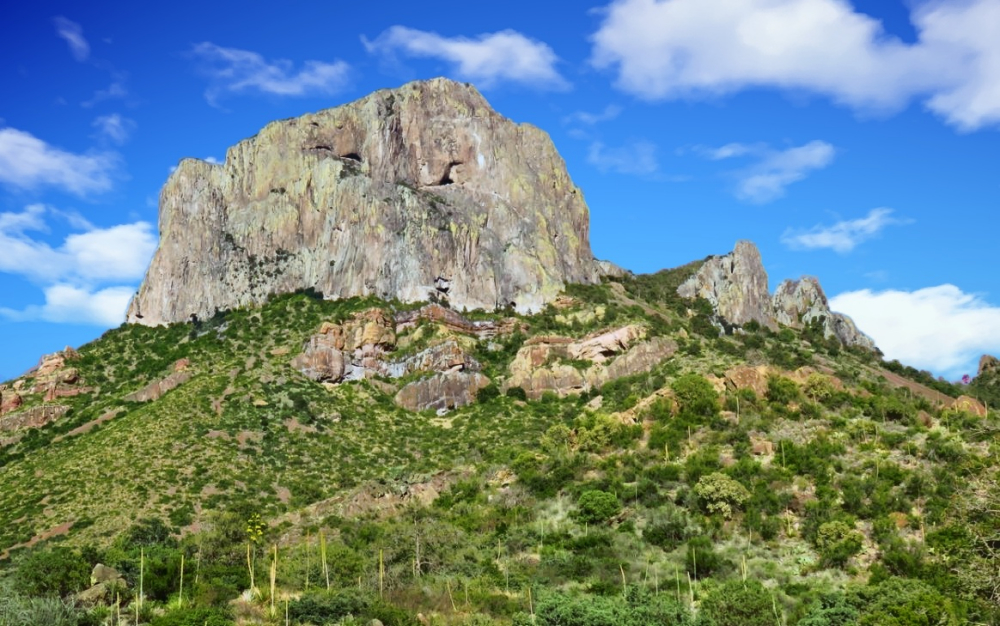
(736, 286)
(988, 366)
(417, 193)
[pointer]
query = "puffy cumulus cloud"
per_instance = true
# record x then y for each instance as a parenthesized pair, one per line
(27, 162)
(68, 304)
(75, 274)
(669, 49)
(506, 56)
(73, 34)
(99, 254)
(231, 70)
(843, 236)
(637, 158)
(941, 329)
(114, 128)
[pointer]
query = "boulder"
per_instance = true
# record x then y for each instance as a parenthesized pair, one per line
(747, 377)
(970, 405)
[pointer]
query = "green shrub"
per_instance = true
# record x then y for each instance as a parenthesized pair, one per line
(597, 507)
(781, 390)
(837, 542)
(696, 397)
(194, 616)
(720, 494)
(56, 571)
(736, 603)
(516, 393)
(701, 559)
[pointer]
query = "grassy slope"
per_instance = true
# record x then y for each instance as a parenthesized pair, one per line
(884, 461)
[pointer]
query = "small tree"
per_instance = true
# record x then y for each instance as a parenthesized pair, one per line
(696, 397)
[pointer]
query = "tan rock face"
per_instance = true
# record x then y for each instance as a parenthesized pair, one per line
(155, 390)
(736, 286)
(747, 377)
(35, 417)
(10, 400)
(408, 193)
(447, 391)
(798, 302)
(538, 365)
(989, 366)
(454, 321)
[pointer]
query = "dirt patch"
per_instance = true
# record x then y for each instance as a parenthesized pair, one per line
(55, 531)
(293, 426)
(247, 435)
(218, 434)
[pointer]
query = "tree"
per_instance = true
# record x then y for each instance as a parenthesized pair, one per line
(696, 397)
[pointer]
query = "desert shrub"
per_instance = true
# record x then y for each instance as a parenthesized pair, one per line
(193, 616)
(736, 603)
(781, 390)
(696, 397)
(701, 559)
(516, 393)
(902, 601)
(636, 609)
(597, 507)
(837, 542)
(326, 608)
(57, 571)
(720, 494)
(667, 531)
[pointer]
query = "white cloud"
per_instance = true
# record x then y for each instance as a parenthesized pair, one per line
(73, 34)
(774, 170)
(669, 49)
(487, 60)
(67, 304)
(637, 158)
(27, 162)
(941, 329)
(843, 236)
(114, 127)
(240, 71)
(609, 113)
(74, 275)
(97, 255)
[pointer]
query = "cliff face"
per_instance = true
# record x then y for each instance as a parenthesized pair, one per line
(736, 286)
(418, 192)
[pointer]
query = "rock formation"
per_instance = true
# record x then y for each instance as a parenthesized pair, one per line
(989, 366)
(736, 286)
(444, 391)
(414, 193)
(566, 366)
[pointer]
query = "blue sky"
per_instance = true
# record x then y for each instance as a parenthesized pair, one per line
(857, 142)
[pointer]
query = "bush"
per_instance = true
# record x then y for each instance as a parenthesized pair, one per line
(326, 608)
(637, 609)
(721, 494)
(56, 571)
(701, 559)
(516, 393)
(194, 616)
(696, 397)
(736, 603)
(837, 542)
(597, 507)
(781, 390)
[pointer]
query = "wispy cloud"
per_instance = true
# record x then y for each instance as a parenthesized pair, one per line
(609, 113)
(674, 49)
(114, 128)
(75, 275)
(488, 60)
(637, 158)
(843, 236)
(27, 162)
(231, 70)
(115, 90)
(767, 180)
(73, 34)
(941, 329)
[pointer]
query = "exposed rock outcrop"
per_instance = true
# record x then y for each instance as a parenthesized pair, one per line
(799, 302)
(989, 366)
(455, 321)
(34, 417)
(411, 193)
(156, 389)
(736, 286)
(969, 405)
(566, 366)
(446, 390)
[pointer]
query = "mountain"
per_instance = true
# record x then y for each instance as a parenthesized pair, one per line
(412, 193)
(272, 447)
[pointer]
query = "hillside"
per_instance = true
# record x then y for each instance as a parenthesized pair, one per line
(810, 474)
